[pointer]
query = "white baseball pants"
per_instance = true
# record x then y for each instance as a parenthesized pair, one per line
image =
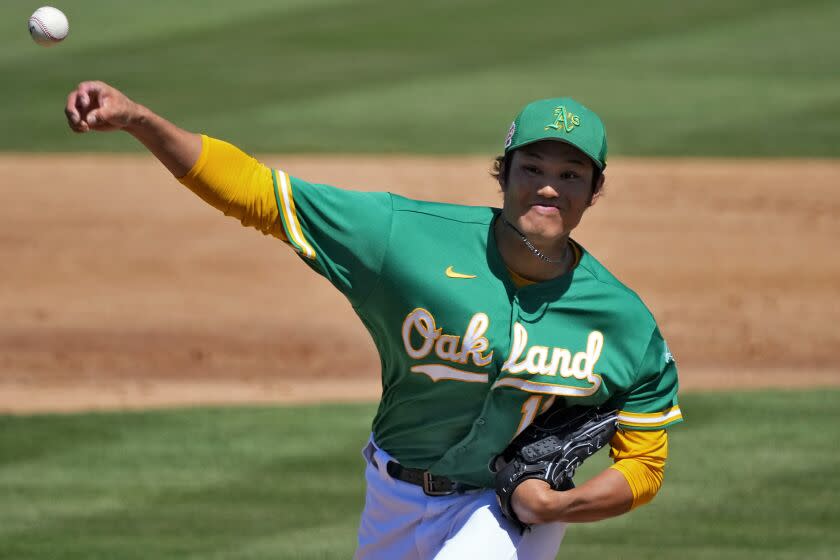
(400, 521)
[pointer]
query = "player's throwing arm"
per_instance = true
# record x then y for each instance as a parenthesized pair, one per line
(96, 106)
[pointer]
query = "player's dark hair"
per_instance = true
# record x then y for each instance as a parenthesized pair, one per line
(501, 167)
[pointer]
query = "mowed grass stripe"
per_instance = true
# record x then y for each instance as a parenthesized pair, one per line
(181, 483)
(751, 475)
(721, 78)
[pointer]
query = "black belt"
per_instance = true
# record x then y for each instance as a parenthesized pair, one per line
(433, 485)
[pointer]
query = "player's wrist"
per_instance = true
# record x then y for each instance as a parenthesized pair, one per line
(139, 119)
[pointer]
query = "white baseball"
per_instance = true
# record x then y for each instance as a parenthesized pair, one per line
(48, 26)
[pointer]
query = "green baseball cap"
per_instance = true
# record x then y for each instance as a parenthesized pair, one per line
(563, 119)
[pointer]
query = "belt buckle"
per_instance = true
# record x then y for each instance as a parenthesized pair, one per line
(428, 486)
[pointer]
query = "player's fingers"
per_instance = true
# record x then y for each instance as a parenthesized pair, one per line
(93, 106)
(88, 94)
(89, 98)
(104, 113)
(82, 104)
(75, 119)
(70, 109)
(114, 110)
(94, 118)
(82, 99)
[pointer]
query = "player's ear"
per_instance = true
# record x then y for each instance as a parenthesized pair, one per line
(597, 190)
(500, 171)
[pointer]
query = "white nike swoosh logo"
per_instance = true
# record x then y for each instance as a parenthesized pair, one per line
(452, 274)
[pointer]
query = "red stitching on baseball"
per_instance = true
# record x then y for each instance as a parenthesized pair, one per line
(44, 28)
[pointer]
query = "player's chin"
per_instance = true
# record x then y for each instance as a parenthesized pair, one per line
(545, 226)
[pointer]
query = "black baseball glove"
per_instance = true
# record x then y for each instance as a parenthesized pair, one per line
(551, 449)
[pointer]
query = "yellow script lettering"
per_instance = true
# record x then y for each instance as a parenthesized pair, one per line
(537, 361)
(448, 347)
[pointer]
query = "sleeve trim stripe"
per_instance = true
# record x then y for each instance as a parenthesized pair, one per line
(289, 237)
(286, 204)
(549, 388)
(641, 416)
(291, 213)
(650, 420)
(660, 426)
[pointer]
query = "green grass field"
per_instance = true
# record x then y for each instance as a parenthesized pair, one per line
(751, 476)
(746, 78)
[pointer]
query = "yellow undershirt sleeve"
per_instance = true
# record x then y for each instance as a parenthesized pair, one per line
(640, 456)
(237, 184)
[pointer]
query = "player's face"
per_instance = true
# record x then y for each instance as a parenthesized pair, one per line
(548, 189)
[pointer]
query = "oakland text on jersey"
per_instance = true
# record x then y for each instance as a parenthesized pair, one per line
(539, 360)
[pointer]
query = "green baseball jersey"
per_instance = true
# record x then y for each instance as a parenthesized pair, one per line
(468, 360)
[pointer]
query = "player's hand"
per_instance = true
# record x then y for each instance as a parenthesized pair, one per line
(98, 106)
(532, 500)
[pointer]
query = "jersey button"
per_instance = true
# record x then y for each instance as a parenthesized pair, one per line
(480, 422)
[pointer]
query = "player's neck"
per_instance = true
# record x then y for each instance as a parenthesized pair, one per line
(524, 260)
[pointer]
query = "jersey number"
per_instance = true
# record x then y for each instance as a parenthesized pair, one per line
(530, 408)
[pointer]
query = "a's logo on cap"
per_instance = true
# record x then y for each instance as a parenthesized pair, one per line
(509, 137)
(563, 120)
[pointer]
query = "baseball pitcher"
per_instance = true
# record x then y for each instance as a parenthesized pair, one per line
(509, 353)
